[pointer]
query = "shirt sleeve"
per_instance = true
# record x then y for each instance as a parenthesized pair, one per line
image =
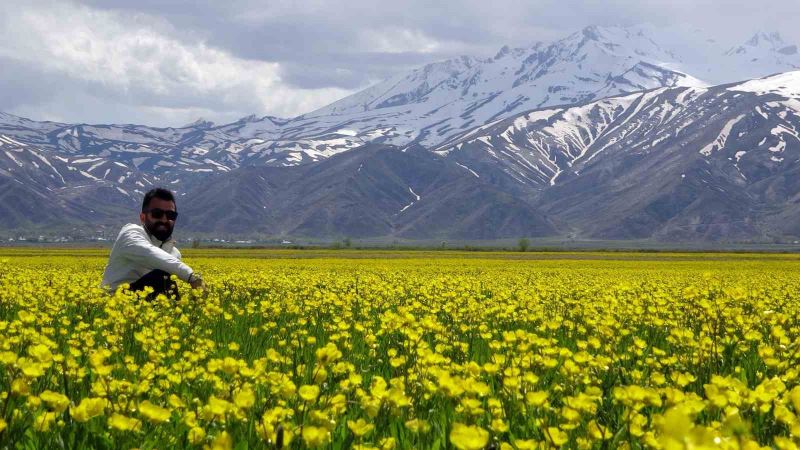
(139, 250)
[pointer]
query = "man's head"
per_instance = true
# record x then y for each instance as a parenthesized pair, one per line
(159, 213)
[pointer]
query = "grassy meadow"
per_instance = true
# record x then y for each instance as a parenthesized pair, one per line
(404, 349)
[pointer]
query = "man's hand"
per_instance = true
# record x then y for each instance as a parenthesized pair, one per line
(196, 281)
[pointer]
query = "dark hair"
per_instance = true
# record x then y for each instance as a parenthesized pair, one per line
(163, 194)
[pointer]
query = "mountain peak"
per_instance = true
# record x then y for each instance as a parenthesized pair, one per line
(516, 52)
(450, 66)
(7, 116)
(786, 84)
(250, 118)
(199, 123)
(502, 52)
(766, 45)
(609, 33)
(771, 39)
(592, 32)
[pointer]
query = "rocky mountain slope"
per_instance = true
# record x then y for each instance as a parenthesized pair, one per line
(608, 133)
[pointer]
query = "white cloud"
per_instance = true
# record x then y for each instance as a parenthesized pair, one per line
(165, 62)
(400, 40)
(129, 59)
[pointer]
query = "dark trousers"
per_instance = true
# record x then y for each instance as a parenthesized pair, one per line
(159, 281)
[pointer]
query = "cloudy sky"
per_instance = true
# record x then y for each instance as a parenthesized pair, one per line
(169, 62)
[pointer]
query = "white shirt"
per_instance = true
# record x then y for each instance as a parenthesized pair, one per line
(136, 253)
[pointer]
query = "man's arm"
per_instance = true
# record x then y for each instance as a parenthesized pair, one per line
(139, 250)
(194, 279)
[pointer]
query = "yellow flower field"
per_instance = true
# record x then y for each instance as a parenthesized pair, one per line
(405, 350)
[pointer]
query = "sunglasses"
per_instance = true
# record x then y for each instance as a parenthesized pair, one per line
(157, 213)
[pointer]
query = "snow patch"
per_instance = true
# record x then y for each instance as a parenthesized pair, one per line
(785, 84)
(13, 159)
(553, 180)
(470, 170)
(412, 203)
(779, 147)
(90, 176)
(11, 141)
(95, 165)
(781, 129)
(719, 142)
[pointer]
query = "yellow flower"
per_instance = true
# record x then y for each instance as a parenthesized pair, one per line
(784, 443)
(449, 385)
(196, 435)
(556, 437)
(466, 437)
(230, 365)
(397, 362)
(8, 358)
(418, 426)
(536, 398)
(598, 432)
(388, 443)
(682, 379)
(244, 399)
(57, 402)
(30, 368)
(88, 409)
(223, 441)
(570, 415)
(20, 386)
(320, 374)
(176, 402)
(360, 427)
(33, 402)
(3, 425)
(43, 421)
(26, 317)
(216, 408)
(123, 423)
(499, 426)
(154, 413)
(40, 353)
(328, 354)
(315, 436)
(529, 444)
(309, 393)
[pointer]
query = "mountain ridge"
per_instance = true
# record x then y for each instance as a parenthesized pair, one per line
(513, 165)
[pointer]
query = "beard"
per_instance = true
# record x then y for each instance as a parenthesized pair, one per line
(162, 231)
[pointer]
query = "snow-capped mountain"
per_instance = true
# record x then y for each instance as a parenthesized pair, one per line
(711, 163)
(673, 163)
(766, 48)
(440, 100)
(676, 162)
(428, 105)
(526, 123)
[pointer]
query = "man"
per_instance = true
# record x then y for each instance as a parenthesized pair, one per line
(145, 255)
